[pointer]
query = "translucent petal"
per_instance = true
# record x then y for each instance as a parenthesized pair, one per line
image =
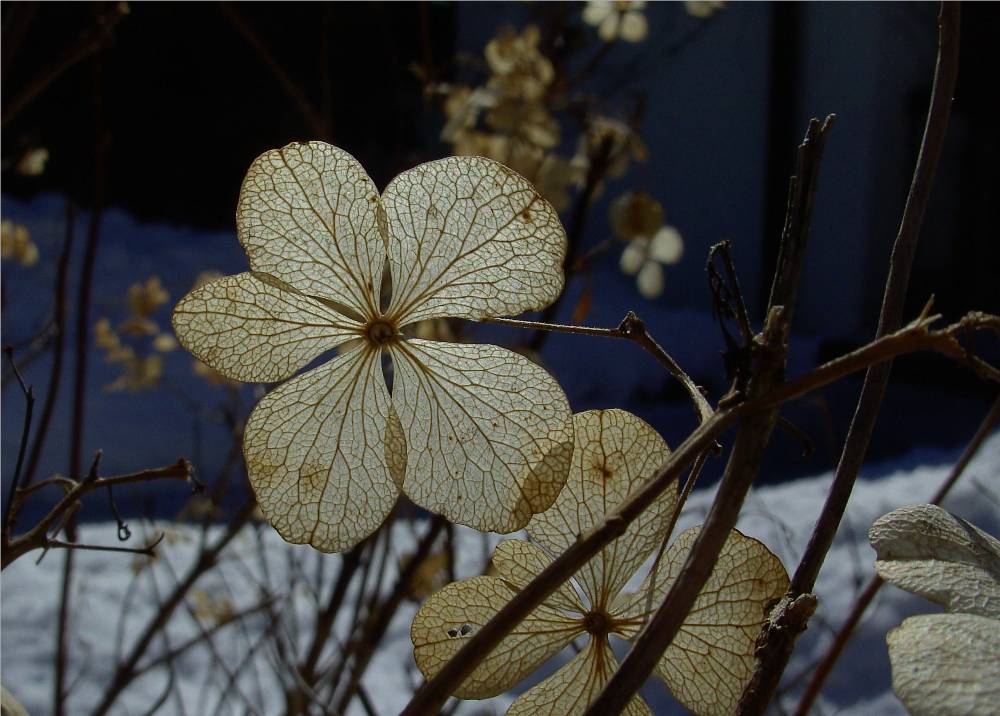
(470, 238)
(634, 256)
(615, 452)
(928, 551)
(454, 614)
(667, 246)
(650, 280)
(489, 434)
(519, 562)
(307, 215)
(608, 29)
(634, 26)
(315, 452)
(596, 10)
(946, 664)
(253, 330)
(571, 689)
(712, 657)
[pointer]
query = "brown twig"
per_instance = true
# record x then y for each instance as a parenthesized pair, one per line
(760, 690)
(15, 480)
(914, 337)
(843, 636)
(55, 374)
(634, 329)
(378, 620)
(127, 670)
(37, 536)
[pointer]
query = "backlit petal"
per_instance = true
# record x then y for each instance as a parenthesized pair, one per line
(712, 656)
(489, 434)
(615, 452)
(453, 615)
(519, 562)
(470, 238)
(307, 215)
(316, 454)
(571, 689)
(253, 330)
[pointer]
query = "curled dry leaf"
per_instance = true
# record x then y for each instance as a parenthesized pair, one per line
(711, 658)
(943, 663)
(476, 433)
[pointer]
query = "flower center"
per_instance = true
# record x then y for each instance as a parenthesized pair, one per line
(380, 331)
(597, 623)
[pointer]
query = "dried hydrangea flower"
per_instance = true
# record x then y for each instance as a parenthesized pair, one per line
(617, 19)
(709, 661)
(703, 9)
(645, 258)
(520, 70)
(943, 663)
(476, 433)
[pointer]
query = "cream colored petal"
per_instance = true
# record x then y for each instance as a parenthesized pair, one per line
(634, 26)
(596, 10)
(610, 26)
(253, 330)
(453, 615)
(634, 256)
(315, 452)
(650, 280)
(307, 215)
(946, 664)
(712, 657)
(615, 452)
(928, 551)
(489, 434)
(519, 562)
(470, 238)
(667, 246)
(571, 689)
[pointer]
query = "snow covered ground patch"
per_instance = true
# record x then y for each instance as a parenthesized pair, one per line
(116, 596)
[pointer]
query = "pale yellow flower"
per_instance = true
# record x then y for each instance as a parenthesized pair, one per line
(519, 68)
(645, 258)
(617, 19)
(33, 162)
(16, 243)
(473, 432)
(703, 8)
(709, 661)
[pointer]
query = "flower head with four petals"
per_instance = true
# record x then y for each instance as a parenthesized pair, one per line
(711, 658)
(476, 433)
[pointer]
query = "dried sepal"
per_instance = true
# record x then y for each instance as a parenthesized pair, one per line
(571, 689)
(489, 433)
(928, 551)
(469, 238)
(946, 664)
(711, 658)
(249, 328)
(452, 615)
(519, 562)
(316, 462)
(614, 453)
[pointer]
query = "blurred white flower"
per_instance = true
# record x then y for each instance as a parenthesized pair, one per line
(703, 8)
(617, 19)
(644, 258)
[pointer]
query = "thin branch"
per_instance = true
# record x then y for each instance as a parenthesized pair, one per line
(15, 480)
(36, 537)
(760, 690)
(634, 329)
(55, 374)
(914, 337)
(752, 437)
(126, 671)
(149, 550)
(843, 636)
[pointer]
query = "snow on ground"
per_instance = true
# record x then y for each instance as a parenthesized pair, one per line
(111, 606)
